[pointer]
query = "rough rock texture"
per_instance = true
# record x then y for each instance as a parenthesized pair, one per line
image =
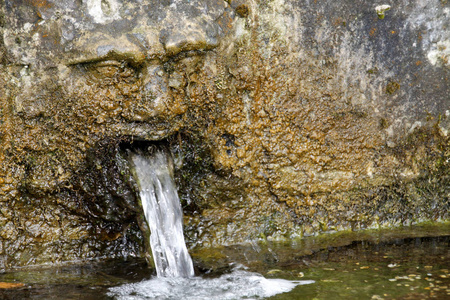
(285, 118)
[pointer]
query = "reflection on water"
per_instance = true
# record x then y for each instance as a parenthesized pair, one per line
(412, 268)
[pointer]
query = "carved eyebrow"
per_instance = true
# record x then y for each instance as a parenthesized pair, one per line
(132, 57)
(107, 63)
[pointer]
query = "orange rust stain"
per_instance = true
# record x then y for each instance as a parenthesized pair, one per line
(40, 3)
(418, 63)
(338, 21)
(225, 21)
(372, 31)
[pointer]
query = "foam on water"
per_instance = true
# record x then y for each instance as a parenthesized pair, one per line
(239, 284)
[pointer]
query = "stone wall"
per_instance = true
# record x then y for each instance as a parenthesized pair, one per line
(286, 118)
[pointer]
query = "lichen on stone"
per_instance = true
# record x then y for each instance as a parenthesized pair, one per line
(381, 10)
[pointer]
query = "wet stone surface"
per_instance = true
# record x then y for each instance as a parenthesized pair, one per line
(285, 118)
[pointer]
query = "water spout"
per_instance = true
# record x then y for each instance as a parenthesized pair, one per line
(175, 272)
(163, 213)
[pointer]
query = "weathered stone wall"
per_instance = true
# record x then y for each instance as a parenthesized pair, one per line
(285, 118)
(333, 118)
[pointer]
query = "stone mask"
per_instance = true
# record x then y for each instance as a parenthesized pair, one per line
(123, 64)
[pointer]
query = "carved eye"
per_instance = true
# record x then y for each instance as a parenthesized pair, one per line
(111, 69)
(107, 68)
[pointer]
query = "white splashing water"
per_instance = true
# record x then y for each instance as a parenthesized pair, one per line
(239, 284)
(163, 213)
(173, 264)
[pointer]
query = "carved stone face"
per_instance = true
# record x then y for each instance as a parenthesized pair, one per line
(116, 67)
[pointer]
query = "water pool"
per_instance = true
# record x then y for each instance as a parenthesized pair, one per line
(407, 263)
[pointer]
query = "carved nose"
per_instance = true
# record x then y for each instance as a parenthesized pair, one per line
(155, 97)
(156, 83)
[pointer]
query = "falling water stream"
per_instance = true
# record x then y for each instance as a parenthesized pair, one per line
(163, 213)
(175, 272)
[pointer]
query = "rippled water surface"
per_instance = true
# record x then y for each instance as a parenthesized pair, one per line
(410, 263)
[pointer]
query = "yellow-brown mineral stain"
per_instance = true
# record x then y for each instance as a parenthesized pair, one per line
(9, 285)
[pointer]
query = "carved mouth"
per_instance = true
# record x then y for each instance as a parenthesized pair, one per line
(141, 131)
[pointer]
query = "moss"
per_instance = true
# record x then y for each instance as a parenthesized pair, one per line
(381, 10)
(243, 10)
(373, 71)
(383, 123)
(392, 87)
